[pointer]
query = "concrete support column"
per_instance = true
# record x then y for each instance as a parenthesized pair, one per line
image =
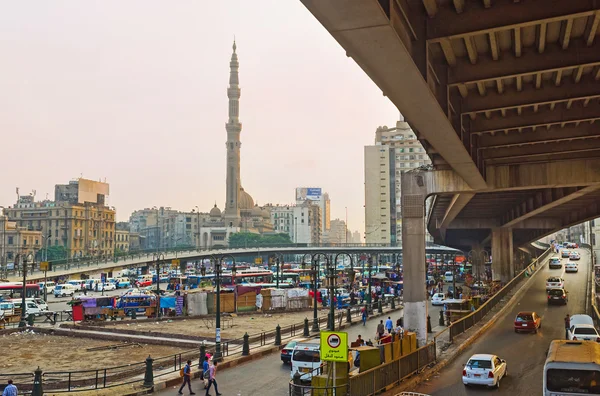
(413, 253)
(503, 265)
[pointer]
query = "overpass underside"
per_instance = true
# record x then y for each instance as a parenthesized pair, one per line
(505, 97)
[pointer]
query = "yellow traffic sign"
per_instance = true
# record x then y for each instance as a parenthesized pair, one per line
(174, 263)
(258, 260)
(44, 266)
(334, 346)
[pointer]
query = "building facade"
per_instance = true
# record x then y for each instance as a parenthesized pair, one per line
(396, 150)
(122, 241)
(78, 219)
(301, 222)
(316, 196)
(338, 233)
(15, 240)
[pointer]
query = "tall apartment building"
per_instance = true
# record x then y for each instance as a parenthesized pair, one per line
(17, 240)
(316, 196)
(301, 222)
(77, 219)
(338, 233)
(396, 150)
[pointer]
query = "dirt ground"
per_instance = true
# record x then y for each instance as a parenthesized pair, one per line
(24, 352)
(252, 324)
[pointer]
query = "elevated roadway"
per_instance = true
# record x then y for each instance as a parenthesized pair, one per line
(505, 97)
(76, 267)
(525, 353)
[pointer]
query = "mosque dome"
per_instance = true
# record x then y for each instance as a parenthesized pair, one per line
(266, 214)
(256, 212)
(215, 212)
(245, 201)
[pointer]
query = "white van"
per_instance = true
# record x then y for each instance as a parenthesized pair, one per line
(49, 285)
(572, 368)
(306, 359)
(7, 308)
(448, 276)
(32, 307)
(65, 290)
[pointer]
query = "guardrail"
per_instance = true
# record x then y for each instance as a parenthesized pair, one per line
(460, 326)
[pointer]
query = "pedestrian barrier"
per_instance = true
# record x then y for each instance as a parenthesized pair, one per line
(23, 381)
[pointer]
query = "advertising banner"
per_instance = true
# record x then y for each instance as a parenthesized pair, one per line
(308, 194)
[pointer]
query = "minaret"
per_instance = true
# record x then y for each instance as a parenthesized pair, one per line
(233, 127)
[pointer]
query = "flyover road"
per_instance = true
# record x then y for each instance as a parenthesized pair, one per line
(525, 353)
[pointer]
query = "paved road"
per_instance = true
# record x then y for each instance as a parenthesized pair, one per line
(525, 353)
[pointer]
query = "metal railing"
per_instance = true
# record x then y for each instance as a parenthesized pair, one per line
(23, 381)
(463, 324)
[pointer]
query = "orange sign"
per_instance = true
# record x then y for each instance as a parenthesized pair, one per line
(459, 259)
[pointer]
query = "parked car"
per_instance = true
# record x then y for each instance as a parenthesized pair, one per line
(558, 296)
(555, 263)
(571, 267)
(286, 352)
(306, 358)
(554, 282)
(108, 286)
(484, 369)
(527, 321)
(438, 299)
(64, 290)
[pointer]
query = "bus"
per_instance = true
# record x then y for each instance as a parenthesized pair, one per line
(136, 302)
(572, 368)
(249, 277)
(10, 290)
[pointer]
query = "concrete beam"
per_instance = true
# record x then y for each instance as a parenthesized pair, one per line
(504, 16)
(459, 201)
(555, 174)
(503, 266)
(510, 151)
(555, 134)
(362, 28)
(578, 155)
(512, 98)
(530, 62)
(529, 118)
(475, 223)
(540, 204)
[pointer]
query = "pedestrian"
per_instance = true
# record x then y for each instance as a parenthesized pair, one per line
(389, 325)
(212, 372)
(380, 329)
(10, 389)
(187, 378)
(359, 340)
(364, 315)
(205, 368)
(567, 326)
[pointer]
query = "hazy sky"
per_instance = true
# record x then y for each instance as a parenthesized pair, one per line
(135, 92)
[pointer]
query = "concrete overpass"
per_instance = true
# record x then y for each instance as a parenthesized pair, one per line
(142, 259)
(504, 95)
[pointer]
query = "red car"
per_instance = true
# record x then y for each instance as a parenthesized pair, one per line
(528, 321)
(144, 283)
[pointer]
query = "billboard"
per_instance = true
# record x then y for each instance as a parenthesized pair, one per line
(308, 194)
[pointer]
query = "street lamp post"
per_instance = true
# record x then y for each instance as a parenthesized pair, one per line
(315, 274)
(23, 322)
(218, 263)
(157, 257)
(46, 239)
(197, 227)
(314, 259)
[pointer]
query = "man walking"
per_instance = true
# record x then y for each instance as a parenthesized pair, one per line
(567, 326)
(380, 329)
(389, 325)
(212, 372)
(10, 389)
(364, 315)
(187, 378)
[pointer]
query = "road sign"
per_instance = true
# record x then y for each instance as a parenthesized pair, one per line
(258, 260)
(44, 266)
(174, 264)
(334, 346)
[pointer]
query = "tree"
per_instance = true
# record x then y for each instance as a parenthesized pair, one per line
(55, 253)
(249, 239)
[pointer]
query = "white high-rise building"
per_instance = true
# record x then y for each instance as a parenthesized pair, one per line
(316, 196)
(396, 150)
(300, 222)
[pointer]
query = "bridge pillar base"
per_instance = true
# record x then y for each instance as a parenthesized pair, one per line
(503, 264)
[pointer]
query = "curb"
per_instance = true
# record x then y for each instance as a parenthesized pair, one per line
(169, 382)
(420, 377)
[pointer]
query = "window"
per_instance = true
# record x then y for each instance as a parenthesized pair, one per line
(10, 240)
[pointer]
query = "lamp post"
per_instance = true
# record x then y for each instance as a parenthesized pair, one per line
(315, 261)
(157, 258)
(46, 239)
(278, 262)
(3, 268)
(314, 272)
(218, 262)
(197, 227)
(369, 297)
(23, 322)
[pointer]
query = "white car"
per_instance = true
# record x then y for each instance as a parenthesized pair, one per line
(555, 282)
(571, 267)
(479, 285)
(108, 287)
(438, 299)
(585, 332)
(484, 369)
(574, 256)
